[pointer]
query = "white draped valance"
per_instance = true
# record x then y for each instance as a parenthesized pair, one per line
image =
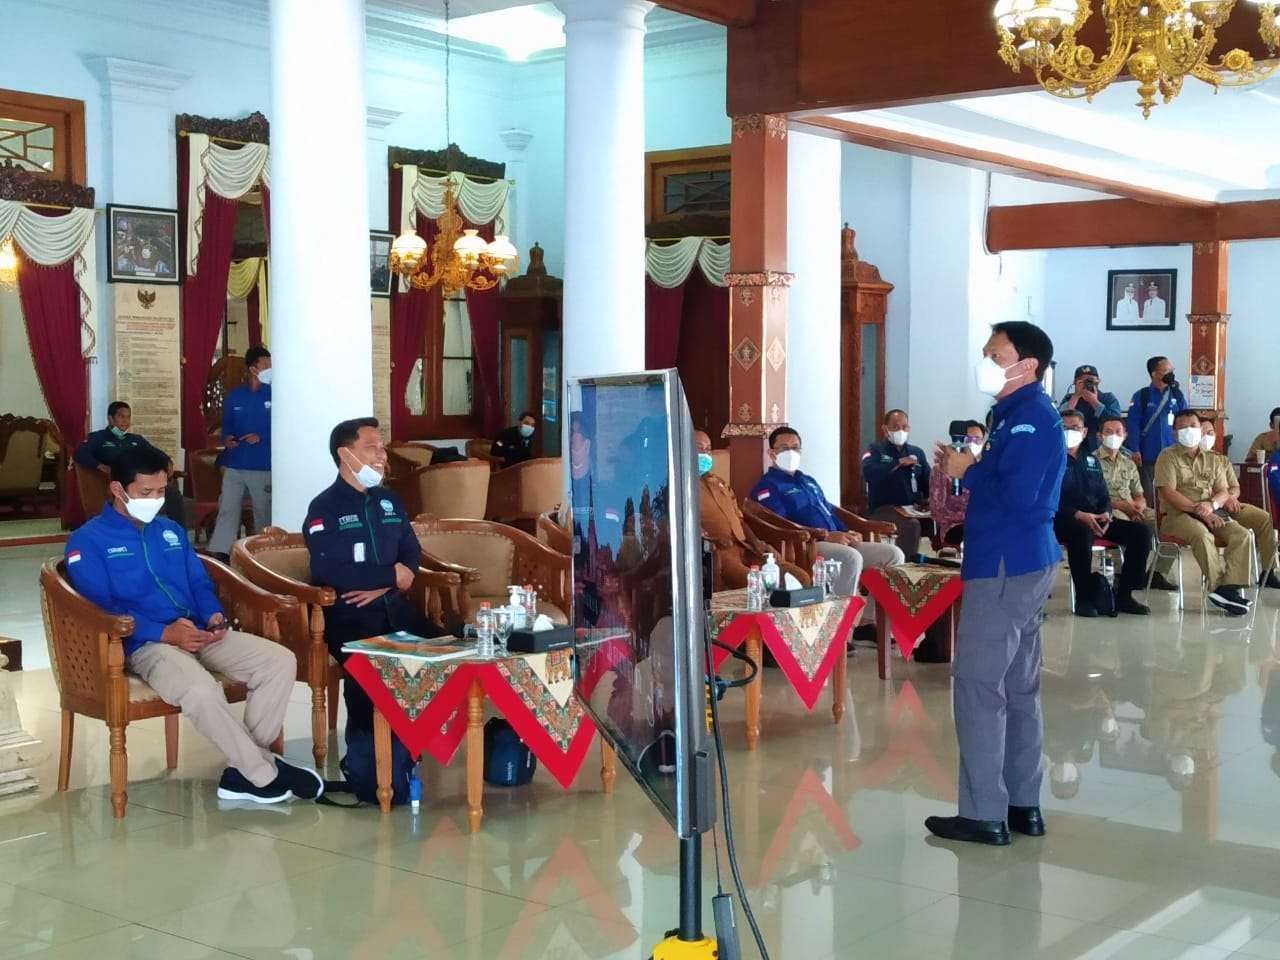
(669, 264)
(50, 241)
(479, 201)
(228, 172)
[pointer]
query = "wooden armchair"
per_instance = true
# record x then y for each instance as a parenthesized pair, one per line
(86, 652)
(793, 543)
(871, 530)
(489, 557)
(518, 494)
(22, 444)
(279, 561)
(459, 490)
(550, 532)
(94, 492)
(404, 458)
(479, 449)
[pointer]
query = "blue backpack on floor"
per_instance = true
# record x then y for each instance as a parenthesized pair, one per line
(507, 761)
(359, 769)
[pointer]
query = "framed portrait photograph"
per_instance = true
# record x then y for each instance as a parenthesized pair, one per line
(380, 276)
(1141, 299)
(142, 245)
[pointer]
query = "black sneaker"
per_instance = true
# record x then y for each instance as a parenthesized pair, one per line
(1228, 604)
(1237, 594)
(234, 785)
(1269, 579)
(305, 783)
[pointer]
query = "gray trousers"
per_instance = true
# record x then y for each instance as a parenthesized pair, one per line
(908, 529)
(996, 690)
(235, 484)
(186, 680)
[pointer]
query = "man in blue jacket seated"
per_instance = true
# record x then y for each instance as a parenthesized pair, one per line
(897, 476)
(362, 545)
(100, 449)
(129, 561)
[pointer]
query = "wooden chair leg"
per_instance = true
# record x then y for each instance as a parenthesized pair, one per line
(119, 758)
(319, 731)
(171, 741)
(64, 749)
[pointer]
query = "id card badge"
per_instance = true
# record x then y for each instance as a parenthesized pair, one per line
(358, 552)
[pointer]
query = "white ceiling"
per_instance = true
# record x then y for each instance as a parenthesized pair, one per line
(1218, 148)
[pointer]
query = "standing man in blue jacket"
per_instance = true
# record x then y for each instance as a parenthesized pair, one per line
(1151, 413)
(246, 461)
(131, 562)
(1011, 559)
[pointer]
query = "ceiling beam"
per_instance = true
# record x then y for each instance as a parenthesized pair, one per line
(835, 56)
(731, 13)
(1126, 223)
(944, 150)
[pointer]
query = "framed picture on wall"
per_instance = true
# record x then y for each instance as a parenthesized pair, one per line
(1141, 299)
(379, 269)
(143, 245)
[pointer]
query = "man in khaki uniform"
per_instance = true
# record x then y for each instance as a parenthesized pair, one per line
(1124, 483)
(1198, 507)
(722, 524)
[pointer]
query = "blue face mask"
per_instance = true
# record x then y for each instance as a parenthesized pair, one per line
(704, 464)
(526, 430)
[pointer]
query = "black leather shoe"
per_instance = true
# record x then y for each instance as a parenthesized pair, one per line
(991, 832)
(1085, 608)
(1126, 604)
(1160, 582)
(1027, 821)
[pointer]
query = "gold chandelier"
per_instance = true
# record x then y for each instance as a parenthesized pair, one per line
(459, 259)
(1159, 42)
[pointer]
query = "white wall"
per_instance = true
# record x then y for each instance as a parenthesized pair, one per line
(1253, 339)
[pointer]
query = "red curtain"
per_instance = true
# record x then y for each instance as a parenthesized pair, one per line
(412, 313)
(51, 308)
(266, 211)
(484, 307)
(662, 312)
(204, 305)
(253, 306)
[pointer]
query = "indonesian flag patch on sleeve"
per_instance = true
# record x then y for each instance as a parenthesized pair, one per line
(316, 525)
(762, 495)
(73, 556)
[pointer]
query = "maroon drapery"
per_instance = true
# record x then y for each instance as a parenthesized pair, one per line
(266, 211)
(253, 307)
(204, 302)
(663, 308)
(703, 355)
(411, 314)
(483, 308)
(50, 301)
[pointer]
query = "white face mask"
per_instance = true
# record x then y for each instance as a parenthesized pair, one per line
(264, 377)
(1189, 436)
(1074, 438)
(143, 510)
(975, 447)
(898, 438)
(990, 376)
(1206, 442)
(789, 461)
(1113, 441)
(368, 476)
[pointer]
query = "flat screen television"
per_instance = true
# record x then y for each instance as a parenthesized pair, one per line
(637, 584)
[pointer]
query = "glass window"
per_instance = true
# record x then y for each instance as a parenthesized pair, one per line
(696, 192)
(27, 144)
(455, 372)
(518, 364)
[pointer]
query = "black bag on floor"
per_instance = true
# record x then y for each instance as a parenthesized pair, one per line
(1104, 598)
(360, 774)
(507, 761)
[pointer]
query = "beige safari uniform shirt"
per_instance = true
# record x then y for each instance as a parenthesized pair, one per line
(1121, 474)
(1196, 478)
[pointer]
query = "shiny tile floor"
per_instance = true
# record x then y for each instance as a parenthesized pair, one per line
(1162, 800)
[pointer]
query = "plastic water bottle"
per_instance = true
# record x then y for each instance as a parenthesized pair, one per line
(415, 790)
(820, 574)
(755, 589)
(772, 573)
(519, 610)
(531, 604)
(484, 630)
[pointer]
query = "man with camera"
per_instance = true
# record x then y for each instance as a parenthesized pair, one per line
(1151, 413)
(1090, 402)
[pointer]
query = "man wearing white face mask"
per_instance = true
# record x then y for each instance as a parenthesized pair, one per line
(1199, 507)
(897, 476)
(129, 561)
(246, 459)
(1010, 561)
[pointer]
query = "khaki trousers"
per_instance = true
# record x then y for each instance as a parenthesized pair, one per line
(1162, 560)
(186, 680)
(1232, 567)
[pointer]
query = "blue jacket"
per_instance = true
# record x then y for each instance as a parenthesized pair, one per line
(796, 497)
(356, 539)
(150, 574)
(891, 485)
(1110, 407)
(1141, 407)
(247, 411)
(101, 448)
(1014, 489)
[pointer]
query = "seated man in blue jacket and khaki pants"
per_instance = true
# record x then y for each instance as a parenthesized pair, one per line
(130, 561)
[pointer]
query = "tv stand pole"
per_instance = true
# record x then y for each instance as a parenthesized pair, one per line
(688, 942)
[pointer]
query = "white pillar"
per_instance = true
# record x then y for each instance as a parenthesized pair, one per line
(320, 320)
(377, 121)
(813, 314)
(604, 186)
(516, 140)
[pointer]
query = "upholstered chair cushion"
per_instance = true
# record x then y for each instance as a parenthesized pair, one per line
(292, 562)
(491, 555)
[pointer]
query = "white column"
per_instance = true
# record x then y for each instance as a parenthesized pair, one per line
(139, 164)
(516, 141)
(813, 314)
(377, 120)
(604, 186)
(320, 321)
